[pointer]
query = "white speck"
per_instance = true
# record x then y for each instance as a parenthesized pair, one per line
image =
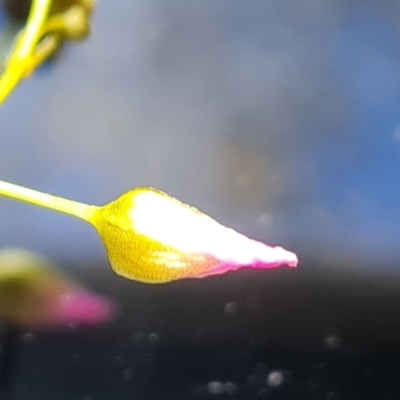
(215, 387)
(275, 379)
(396, 134)
(230, 308)
(153, 338)
(265, 219)
(127, 374)
(27, 338)
(333, 342)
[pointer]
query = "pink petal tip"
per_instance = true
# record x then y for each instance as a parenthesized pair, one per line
(82, 307)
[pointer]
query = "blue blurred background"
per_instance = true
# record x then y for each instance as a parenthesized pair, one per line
(280, 119)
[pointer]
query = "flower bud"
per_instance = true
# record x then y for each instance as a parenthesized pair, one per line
(154, 238)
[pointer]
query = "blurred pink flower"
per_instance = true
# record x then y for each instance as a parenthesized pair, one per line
(34, 294)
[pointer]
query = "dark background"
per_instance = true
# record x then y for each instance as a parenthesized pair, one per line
(278, 118)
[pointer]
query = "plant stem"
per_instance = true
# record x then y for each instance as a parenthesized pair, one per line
(24, 47)
(80, 210)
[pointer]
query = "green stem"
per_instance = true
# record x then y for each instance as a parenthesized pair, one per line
(24, 47)
(80, 210)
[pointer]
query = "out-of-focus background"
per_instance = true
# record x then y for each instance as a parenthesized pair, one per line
(280, 119)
